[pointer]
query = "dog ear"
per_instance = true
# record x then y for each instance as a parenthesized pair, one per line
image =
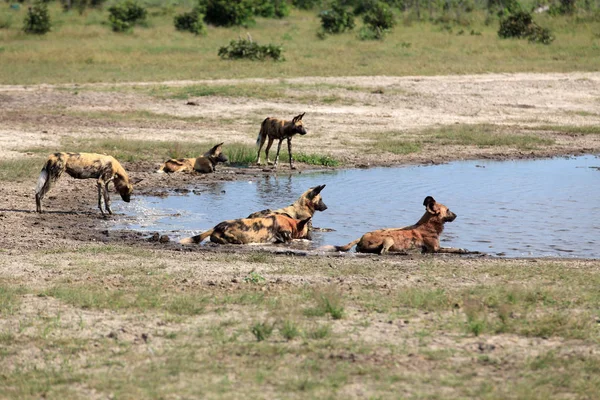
(300, 116)
(215, 150)
(429, 202)
(315, 191)
(302, 224)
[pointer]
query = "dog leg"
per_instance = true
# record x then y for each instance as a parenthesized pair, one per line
(100, 184)
(278, 150)
(269, 144)
(289, 140)
(386, 245)
(107, 198)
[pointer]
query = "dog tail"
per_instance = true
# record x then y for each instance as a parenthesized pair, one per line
(262, 134)
(346, 247)
(161, 170)
(51, 171)
(198, 238)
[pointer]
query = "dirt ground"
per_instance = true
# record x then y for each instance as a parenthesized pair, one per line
(45, 115)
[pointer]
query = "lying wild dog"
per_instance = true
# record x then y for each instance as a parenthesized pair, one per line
(271, 229)
(205, 164)
(425, 234)
(274, 128)
(83, 166)
(304, 207)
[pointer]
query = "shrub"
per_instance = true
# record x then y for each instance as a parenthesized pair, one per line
(306, 4)
(271, 8)
(228, 12)
(520, 25)
(261, 330)
(368, 33)
(123, 16)
(336, 20)
(246, 48)
(190, 22)
(540, 35)
(380, 16)
(37, 20)
(566, 7)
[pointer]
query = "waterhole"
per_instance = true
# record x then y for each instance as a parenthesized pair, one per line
(538, 208)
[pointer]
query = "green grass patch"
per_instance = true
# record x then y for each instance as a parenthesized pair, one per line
(10, 299)
(22, 169)
(87, 297)
(397, 146)
(568, 129)
(131, 116)
(484, 136)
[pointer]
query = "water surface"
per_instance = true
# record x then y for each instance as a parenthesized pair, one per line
(532, 208)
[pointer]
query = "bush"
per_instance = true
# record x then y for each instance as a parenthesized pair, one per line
(306, 4)
(520, 25)
(380, 16)
(228, 12)
(190, 22)
(336, 20)
(271, 8)
(123, 16)
(369, 33)
(540, 35)
(37, 20)
(566, 7)
(246, 48)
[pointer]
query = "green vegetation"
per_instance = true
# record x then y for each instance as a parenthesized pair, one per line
(37, 20)
(485, 136)
(511, 320)
(248, 49)
(20, 169)
(82, 48)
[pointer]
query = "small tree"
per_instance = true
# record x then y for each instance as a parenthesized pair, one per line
(336, 20)
(271, 8)
(37, 20)
(191, 22)
(123, 16)
(380, 16)
(228, 12)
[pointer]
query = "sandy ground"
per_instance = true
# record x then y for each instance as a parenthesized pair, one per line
(46, 115)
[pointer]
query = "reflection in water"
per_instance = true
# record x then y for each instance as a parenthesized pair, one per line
(517, 208)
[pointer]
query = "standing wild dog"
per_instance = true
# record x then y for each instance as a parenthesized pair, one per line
(304, 207)
(274, 128)
(84, 166)
(204, 164)
(271, 229)
(425, 234)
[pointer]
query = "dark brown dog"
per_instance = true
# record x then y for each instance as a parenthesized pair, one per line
(83, 166)
(204, 164)
(274, 128)
(304, 207)
(425, 234)
(271, 229)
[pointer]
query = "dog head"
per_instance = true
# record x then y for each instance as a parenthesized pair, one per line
(313, 198)
(124, 187)
(302, 229)
(297, 124)
(215, 154)
(437, 209)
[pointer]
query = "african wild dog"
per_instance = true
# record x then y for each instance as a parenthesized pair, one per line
(205, 164)
(274, 128)
(425, 234)
(304, 207)
(272, 229)
(83, 166)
